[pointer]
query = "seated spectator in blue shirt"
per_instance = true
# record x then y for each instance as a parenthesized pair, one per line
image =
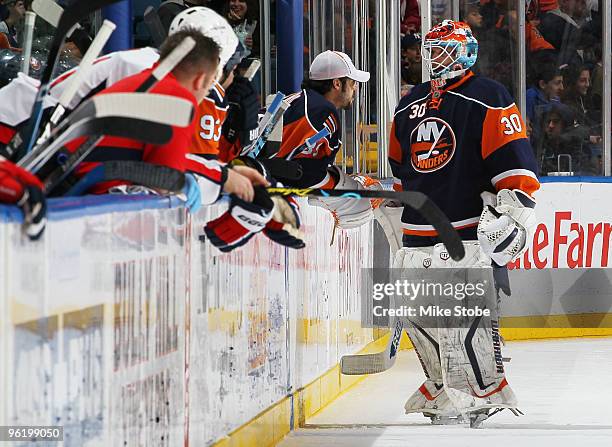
(548, 88)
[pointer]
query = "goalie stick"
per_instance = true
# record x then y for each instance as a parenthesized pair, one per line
(77, 78)
(137, 172)
(413, 199)
(69, 18)
(359, 364)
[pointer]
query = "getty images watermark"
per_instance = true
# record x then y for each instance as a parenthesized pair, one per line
(428, 297)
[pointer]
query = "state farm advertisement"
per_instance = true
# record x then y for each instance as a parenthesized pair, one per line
(574, 227)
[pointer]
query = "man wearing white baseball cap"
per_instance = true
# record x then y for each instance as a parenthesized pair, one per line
(331, 86)
(335, 64)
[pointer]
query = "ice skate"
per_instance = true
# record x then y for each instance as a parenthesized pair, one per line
(431, 400)
(479, 409)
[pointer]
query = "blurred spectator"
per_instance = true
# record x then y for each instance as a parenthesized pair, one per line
(493, 12)
(410, 16)
(539, 98)
(564, 146)
(548, 5)
(560, 27)
(471, 15)
(411, 59)
(8, 27)
(597, 78)
(4, 12)
(169, 9)
(496, 46)
(243, 15)
(576, 95)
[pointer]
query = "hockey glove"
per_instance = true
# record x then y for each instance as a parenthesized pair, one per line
(191, 190)
(18, 186)
(506, 225)
(241, 121)
(284, 227)
(241, 222)
(34, 207)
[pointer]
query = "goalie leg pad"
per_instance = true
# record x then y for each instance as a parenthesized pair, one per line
(430, 397)
(390, 219)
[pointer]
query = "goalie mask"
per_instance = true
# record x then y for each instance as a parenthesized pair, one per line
(212, 25)
(449, 49)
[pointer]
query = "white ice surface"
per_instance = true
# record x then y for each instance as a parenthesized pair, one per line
(564, 387)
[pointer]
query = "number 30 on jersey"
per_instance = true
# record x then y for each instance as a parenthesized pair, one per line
(512, 124)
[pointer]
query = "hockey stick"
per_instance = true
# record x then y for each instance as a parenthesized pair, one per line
(252, 70)
(358, 364)
(164, 67)
(145, 131)
(77, 78)
(51, 13)
(161, 109)
(30, 18)
(268, 122)
(155, 26)
(413, 199)
(167, 64)
(136, 172)
(68, 20)
(48, 10)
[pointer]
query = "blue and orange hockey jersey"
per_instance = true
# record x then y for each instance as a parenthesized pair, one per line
(309, 113)
(475, 141)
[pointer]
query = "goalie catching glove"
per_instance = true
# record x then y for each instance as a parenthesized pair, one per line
(506, 224)
(349, 213)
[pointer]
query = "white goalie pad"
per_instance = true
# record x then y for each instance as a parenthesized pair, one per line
(462, 353)
(390, 219)
(348, 213)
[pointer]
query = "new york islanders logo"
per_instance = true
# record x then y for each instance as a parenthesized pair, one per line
(432, 145)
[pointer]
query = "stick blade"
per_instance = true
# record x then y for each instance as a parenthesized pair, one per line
(355, 365)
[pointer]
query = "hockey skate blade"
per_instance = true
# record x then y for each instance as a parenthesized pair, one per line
(355, 365)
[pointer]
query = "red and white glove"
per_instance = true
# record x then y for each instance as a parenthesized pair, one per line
(284, 227)
(19, 187)
(241, 222)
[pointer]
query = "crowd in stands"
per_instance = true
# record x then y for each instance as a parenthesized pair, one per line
(563, 41)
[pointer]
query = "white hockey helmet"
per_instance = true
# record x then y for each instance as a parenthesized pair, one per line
(212, 25)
